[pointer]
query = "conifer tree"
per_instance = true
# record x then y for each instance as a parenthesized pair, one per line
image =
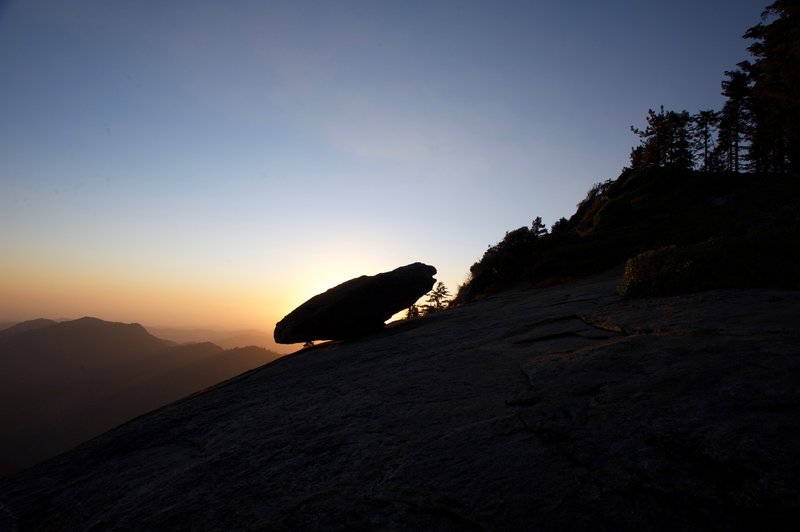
(703, 125)
(412, 312)
(538, 228)
(665, 141)
(733, 121)
(437, 298)
(775, 77)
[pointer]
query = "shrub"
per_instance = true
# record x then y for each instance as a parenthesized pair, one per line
(757, 259)
(656, 272)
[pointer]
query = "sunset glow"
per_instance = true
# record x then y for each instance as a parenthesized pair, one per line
(213, 164)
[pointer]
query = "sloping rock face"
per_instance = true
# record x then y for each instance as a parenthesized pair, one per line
(356, 307)
(564, 408)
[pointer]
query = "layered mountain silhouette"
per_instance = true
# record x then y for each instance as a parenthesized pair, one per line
(227, 339)
(30, 325)
(62, 383)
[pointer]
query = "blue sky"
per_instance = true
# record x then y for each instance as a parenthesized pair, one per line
(196, 163)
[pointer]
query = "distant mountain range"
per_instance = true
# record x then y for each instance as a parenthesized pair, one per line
(64, 382)
(227, 339)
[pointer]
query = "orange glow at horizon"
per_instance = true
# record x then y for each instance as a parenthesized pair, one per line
(36, 291)
(40, 293)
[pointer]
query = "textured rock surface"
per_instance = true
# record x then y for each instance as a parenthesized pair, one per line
(356, 307)
(565, 408)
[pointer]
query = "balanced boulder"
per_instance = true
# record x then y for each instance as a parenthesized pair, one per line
(356, 307)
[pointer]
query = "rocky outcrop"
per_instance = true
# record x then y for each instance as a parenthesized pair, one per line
(356, 307)
(566, 408)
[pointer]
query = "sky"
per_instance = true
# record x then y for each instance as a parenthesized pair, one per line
(196, 163)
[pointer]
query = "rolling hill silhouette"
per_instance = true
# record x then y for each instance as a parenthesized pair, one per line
(227, 339)
(15, 328)
(61, 383)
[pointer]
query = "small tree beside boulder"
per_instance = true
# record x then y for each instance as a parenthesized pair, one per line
(438, 299)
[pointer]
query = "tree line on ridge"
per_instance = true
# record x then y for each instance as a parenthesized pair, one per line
(757, 128)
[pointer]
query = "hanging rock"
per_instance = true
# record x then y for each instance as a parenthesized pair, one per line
(356, 307)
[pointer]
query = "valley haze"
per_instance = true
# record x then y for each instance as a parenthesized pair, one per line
(64, 382)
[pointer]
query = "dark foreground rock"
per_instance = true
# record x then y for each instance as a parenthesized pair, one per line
(565, 408)
(356, 307)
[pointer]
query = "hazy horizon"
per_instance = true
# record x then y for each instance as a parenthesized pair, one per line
(232, 327)
(195, 163)
(201, 327)
(224, 337)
